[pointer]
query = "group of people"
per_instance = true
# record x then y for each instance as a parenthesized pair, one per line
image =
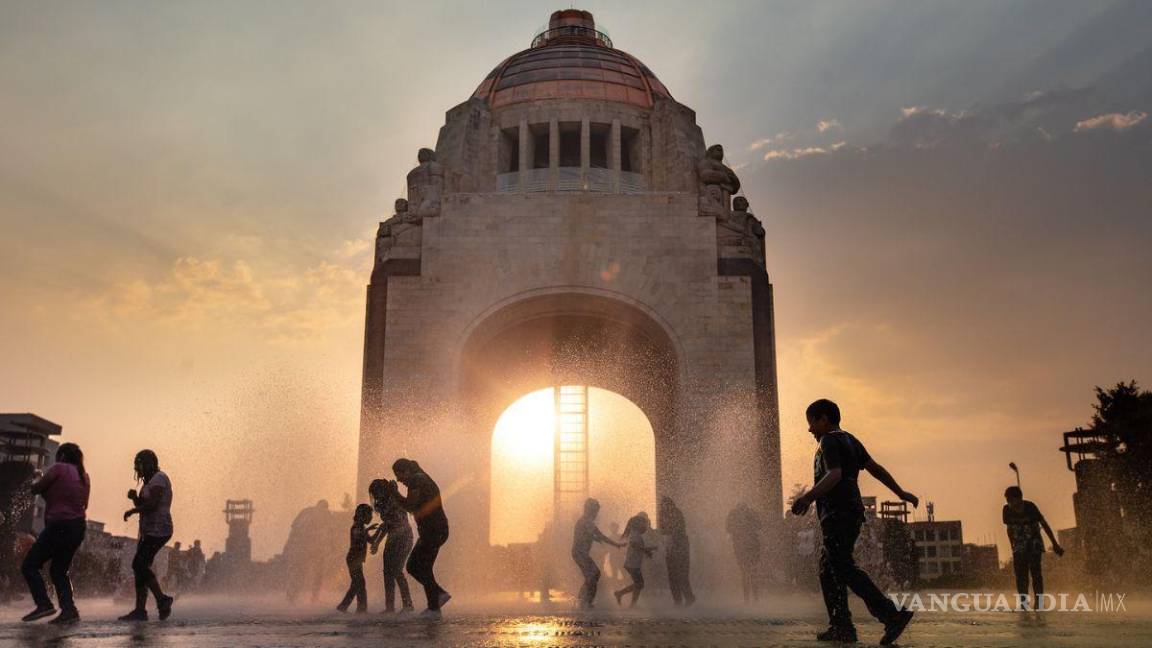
(185, 567)
(65, 487)
(424, 503)
(637, 549)
(839, 460)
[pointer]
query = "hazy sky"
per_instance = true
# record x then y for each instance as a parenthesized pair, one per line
(957, 198)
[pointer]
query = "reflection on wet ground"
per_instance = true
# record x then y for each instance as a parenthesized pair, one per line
(204, 622)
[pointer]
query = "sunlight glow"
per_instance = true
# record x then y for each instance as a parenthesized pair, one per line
(524, 431)
(622, 463)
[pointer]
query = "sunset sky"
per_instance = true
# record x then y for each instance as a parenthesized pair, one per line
(957, 198)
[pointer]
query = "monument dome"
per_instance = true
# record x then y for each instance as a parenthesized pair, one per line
(571, 59)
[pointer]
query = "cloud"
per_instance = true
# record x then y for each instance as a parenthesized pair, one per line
(214, 294)
(1112, 121)
(825, 125)
(807, 151)
(355, 247)
(759, 144)
(922, 127)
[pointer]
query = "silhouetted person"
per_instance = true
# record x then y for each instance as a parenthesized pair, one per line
(309, 539)
(174, 577)
(634, 531)
(357, 553)
(839, 460)
(423, 502)
(584, 533)
(676, 554)
(65, 488)
(1024, 521)
(393, 526)
(744, 525)
(196, 563)
(154, 505)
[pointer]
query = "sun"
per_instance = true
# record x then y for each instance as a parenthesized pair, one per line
(524, 432)
(621, 463)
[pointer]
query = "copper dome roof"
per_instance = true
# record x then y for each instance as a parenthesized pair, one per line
(571, 59)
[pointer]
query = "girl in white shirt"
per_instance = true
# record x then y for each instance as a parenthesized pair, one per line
(638, 550)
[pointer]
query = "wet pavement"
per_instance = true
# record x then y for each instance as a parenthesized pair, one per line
(244, 623)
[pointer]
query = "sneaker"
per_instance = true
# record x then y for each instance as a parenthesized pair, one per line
(67, 616)
(135, 615)
(430, 614)
(895, 626)
(39, 613)
(839, 634)
(407, 609)
(165, 607)
(342, 608)
(444, 598)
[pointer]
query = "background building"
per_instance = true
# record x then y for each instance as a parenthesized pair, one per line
(26, 445)
(939, 547)
(981, 563)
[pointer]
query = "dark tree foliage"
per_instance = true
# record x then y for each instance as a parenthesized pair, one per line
(1124, 415)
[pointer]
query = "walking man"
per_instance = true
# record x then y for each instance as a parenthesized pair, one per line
(839, 460)
(1024, 521)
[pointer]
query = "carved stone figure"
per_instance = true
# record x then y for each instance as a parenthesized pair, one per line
(717, 183)
(753, 229)
(402, 229)
(426, 185)
(739, 234)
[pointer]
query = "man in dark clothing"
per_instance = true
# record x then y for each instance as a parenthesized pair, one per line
(584, 533)
(676, 554)
(1024, 521)
(423, 502)
(744, 527)
(839, 460)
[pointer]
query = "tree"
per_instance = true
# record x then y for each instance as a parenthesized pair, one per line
(1123, 418)
(1124, 415)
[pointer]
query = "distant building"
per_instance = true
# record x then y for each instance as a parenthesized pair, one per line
(897, 511)
(1070, 539)
(25, 446)
(980, 562)
(939, 548)
(25, 437)
(1108, 535)
(238, 515)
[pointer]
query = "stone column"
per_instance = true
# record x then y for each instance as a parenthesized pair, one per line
(585, 151)
(553, 153)
(525, 141)
(614, 155)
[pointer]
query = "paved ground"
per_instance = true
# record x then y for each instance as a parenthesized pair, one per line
(244, 623)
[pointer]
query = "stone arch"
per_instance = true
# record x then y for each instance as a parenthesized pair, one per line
(572, 337)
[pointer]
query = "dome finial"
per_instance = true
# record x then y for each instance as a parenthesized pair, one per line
(571, 26)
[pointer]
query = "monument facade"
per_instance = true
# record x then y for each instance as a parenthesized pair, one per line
(572, 227)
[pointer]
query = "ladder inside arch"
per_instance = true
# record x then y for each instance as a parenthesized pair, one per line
(570, 453)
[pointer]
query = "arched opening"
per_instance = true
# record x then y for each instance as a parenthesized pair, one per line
(621, 463)
(584, 338)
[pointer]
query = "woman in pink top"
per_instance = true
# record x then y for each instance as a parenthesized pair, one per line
(64, 487)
